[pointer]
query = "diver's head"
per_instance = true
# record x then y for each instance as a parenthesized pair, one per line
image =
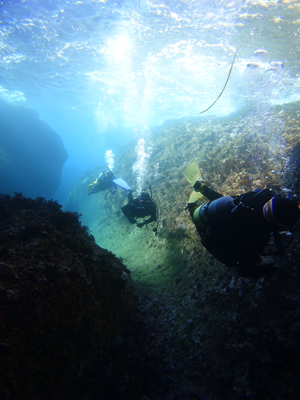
(145, 196)
(283, 212)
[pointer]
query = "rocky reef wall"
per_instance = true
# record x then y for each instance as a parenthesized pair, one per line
(32, 155)
(62, 301)
(204, 332)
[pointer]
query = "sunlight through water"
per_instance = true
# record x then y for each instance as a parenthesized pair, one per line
(115, 67)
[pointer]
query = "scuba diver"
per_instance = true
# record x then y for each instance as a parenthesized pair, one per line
(106, 180)
(237, 229)
(140, 207)
(103, 182)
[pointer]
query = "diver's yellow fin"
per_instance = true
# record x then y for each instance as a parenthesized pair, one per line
(195, 197)
(192, 173)
(90, 186)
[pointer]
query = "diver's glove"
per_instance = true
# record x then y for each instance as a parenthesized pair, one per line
(198, 186)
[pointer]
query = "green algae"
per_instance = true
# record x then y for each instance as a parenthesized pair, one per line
(250, 149)
(230, 335)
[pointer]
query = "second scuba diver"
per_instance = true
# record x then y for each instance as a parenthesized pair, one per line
(141, 206)
(103, 182)
(237, 229)
(106, 180)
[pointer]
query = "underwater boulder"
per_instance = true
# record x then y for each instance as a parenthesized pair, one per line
(32, 155)
(62, 301)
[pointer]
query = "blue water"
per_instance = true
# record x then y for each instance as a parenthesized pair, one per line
(99, 72)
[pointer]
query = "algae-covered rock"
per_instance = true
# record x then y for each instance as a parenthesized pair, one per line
(62, 300)
(205, 332)
(31, 153)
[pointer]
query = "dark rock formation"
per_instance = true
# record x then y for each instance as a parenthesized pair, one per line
(62, 301)
(31, 153)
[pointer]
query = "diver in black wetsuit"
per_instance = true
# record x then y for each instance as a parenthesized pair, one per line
(103, 182)
(140, 207)
(236, 230)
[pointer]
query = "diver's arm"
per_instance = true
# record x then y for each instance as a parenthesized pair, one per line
(130, 196)
(209, 193)
(126, 212)
(147, 221)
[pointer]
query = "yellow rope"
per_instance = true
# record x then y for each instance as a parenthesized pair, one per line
(223, 87)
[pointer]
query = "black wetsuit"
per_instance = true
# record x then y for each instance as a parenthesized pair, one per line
(104, 182)
(140, 207)
(237, 232)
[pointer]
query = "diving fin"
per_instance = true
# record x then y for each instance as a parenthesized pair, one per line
(90, 186)
(192, 173)
(195, 197)
(120, 182)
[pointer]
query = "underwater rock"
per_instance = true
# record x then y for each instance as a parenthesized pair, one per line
(31, 153)
(62, 301)
(204, 332)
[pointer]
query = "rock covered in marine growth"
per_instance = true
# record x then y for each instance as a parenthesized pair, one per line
(62, 300)
(32, 155)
